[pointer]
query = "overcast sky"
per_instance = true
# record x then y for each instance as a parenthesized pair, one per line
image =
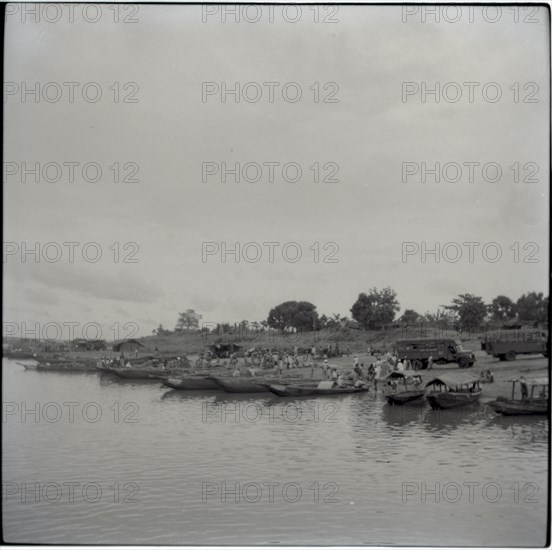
(369, 133)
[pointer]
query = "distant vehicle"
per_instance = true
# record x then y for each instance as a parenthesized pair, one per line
(443, 350)
(507, 344)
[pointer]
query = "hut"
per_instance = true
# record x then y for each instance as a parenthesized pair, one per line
(224, 350)
(83, 344)
(128, 346)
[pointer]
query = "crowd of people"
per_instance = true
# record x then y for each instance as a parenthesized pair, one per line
(259, 360)
(126, 361)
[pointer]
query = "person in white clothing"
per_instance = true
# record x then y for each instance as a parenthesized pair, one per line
(377, 374)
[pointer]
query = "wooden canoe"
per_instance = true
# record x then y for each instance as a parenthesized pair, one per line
(291, 391)
(28, 366)
(528, 404)
(136, 374)
(405, 396)
(453, 390)
(191, 383)
(450, 399)
(242, 385)
(339, 391)
(65, 366)
(403, 387)
(515, 407)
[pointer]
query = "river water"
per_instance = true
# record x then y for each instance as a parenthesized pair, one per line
(89, 459)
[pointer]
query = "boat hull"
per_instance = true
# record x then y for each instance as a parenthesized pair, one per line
(241, 385)
(339, 391)
(191, 383)
(448, 400)
(290, 391)
(136, 374)
(401, 398)
(27, 366)
(509, 407)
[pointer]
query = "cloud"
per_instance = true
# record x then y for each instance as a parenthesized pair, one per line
(42, 295)
(116, 283)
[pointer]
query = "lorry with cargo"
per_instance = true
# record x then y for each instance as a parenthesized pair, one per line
(442, 350)
(506, 345)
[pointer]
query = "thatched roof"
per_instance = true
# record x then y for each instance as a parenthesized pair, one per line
(453, 380)
(117, 346)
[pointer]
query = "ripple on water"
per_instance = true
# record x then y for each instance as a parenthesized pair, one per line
(357, 446)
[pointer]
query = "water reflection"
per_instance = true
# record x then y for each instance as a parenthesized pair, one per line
(396, 416)
(179, 395)
(364, 446)
(108, 379)
(522, 429)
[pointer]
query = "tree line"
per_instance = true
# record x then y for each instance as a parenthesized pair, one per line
(378, 309)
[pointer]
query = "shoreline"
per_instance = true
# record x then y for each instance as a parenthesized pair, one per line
(530, 366)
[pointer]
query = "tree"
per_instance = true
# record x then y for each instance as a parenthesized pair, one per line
(502, 309)
(441, 319)
(298, 315)
(188, 320)
(471, 311)
(376, 309)
(222, 328)
(533, 306)
(160, 331)
(410, 317)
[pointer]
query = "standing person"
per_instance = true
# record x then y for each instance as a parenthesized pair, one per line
(523, 387)
(377, 374)
(313, 352)
(278, 366)
(400, 366)
(326, 369)
(371, 372)
(430, 362)
(355, 361)
(407, 364)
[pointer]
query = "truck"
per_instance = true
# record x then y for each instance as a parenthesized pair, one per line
(443, 350)
(506, 345)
